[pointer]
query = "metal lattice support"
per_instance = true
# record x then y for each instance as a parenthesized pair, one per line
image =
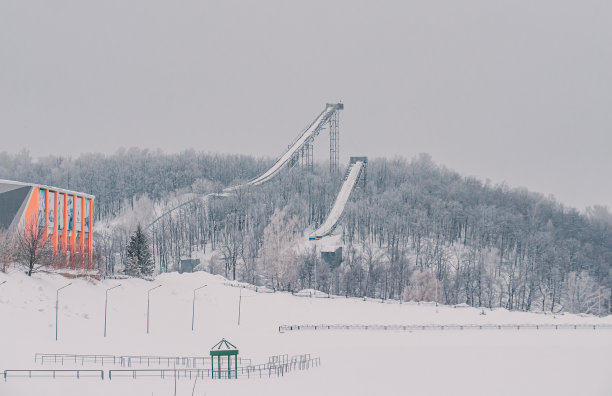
(334, 143)
(364, 175)
(304, 157)
(309, 150)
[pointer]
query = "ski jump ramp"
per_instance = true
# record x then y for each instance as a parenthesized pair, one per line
(354, 173)
(306, 137)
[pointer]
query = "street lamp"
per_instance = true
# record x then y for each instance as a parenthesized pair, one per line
(239, 303)
(57, 305)
(193, 306)
(106, 305)
(148, 304)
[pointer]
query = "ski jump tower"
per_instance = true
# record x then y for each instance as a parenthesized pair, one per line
(304, 156)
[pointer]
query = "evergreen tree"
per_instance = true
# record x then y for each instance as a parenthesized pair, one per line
(139, 262)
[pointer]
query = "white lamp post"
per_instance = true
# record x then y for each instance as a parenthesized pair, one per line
(57, 306)
(106, 306)
(193, 306)
(148, 304)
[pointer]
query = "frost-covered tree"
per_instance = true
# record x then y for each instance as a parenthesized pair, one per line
(423, 287)
(139, 260)
(583, 294)
(279, 257)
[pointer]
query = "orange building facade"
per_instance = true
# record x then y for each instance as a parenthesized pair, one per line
(66, 218)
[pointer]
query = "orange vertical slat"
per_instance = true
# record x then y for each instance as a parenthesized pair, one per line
(90, 239)
(46, 219)
(65, 230)
(82, 233)
(74, 230)
(55, 222)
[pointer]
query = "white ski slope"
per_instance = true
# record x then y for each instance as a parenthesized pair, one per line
(336, 211)
(450, 362)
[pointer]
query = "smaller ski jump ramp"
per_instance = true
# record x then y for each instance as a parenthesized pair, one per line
(352, 177)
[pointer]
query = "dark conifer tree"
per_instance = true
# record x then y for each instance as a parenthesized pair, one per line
(139, 261)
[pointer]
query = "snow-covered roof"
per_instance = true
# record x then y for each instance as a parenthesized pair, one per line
(61, 190)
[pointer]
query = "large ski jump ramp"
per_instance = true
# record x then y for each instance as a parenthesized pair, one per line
(306, 136)
(336, 211)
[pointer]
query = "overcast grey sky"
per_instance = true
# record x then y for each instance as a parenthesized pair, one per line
(515, 91)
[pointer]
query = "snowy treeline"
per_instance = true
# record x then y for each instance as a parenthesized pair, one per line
(117, 180)
(487, 245)
(417, 230)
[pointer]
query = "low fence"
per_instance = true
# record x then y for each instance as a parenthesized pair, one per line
(129, 361)
(62, 358)
(248, 286)
(53, 374)
(529, 326)
(186, 361)
(277, 365)
(266, 370)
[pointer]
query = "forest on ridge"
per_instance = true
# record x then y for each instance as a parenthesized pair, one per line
(416, 230)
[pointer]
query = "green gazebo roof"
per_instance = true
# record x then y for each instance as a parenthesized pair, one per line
(223, 348)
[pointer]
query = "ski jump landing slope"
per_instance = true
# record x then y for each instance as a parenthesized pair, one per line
(336, 211)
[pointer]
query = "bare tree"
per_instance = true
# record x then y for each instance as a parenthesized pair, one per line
(424, 286)
(6, 250)
(32, 248)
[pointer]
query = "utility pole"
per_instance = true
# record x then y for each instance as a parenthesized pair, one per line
(239, 303)
(57, 306)
(106, 305)
(149, 304)
(193, 306)
(315, 269)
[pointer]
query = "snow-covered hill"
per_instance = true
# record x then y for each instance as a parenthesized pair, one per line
(505, 362)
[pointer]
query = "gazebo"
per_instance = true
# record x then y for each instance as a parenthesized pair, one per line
(224, 348)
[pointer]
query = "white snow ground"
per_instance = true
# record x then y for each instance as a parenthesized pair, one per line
(505, 362)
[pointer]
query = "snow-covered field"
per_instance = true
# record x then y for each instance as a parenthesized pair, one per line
(505, 362)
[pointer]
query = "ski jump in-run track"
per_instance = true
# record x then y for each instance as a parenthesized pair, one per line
(354, 173)
(291, 156)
